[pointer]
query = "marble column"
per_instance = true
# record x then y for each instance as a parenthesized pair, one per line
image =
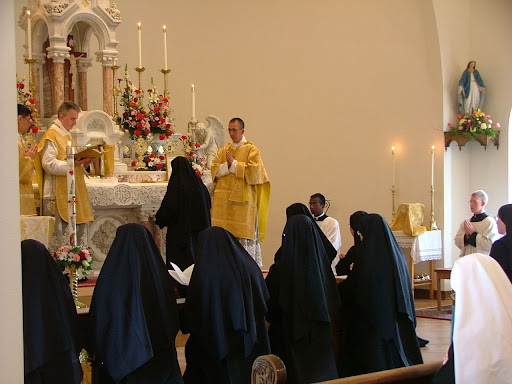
(36, 79)
(82, 65)
(107, 90)
(58, 55)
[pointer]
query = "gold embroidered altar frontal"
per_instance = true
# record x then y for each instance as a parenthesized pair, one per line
(39, 228)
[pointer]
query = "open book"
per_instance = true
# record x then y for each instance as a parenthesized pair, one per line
(88, 152)
(182, 277)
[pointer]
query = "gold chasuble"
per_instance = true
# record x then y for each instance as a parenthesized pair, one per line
(238, 196)
(83, 204)
(26, 167)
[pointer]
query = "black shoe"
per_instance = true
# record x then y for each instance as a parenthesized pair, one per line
(422, 342)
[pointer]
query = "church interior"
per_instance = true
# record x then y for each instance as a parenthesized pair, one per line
(325, 88)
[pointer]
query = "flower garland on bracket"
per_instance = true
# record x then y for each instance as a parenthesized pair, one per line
(473, 124)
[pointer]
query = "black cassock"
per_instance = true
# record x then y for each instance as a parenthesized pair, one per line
(224, 312)
(134, 315)
(50, 322)
(382, 329)
(185, 211)
(303, 304)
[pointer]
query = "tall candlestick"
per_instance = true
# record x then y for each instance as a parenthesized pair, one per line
(193, 103)
(139, 27)
(165, 47)
(70, 157)
(393, 163)
(29, 35)
(432, 178)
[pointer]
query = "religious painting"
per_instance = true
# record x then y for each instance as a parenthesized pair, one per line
(168, 158)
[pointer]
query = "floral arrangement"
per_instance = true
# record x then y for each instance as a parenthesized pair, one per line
(26, 98)
(153, 161)
(134, 120)
(190, 150)
(78, 257)
(158, 114)
(474, 123)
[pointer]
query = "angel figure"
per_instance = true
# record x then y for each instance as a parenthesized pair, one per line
(210, 137)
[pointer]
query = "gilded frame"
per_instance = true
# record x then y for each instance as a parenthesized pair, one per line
(168, 158)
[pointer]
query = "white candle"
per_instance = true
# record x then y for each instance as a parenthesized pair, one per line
(29, 34)
(70, 157)
(193, 103)
(139, 27)
(165, 47)
(393, 163)
(432, 178)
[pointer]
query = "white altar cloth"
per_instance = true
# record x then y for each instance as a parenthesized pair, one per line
(425, 247)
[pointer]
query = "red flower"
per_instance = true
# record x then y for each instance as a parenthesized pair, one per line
(150, 90)
(139, 125)
(152, 155)
(21, 85)
(147, 132)
(35, 129)
(127, 89)
(32, 101)
(133, 104)
(165, 100)
(136, 99)
(161, 157)
(186, 157)
(82, 255)
(459, 116)
(124, 115)
(133, 163)
(154, 124)
(198, 172)
(156, 109)
(450, 125)
(184, 137)
(197, 145)
(119, 80)
(167, 126)
(136, 133)
(169, 133)
(159, 166)
(162, 120)
(161, 137)
(137, 91)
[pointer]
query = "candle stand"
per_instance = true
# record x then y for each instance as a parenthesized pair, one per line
(166, 84)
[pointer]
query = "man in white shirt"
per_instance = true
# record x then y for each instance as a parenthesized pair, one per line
(52, 169)
(329, 225)
(476, 235)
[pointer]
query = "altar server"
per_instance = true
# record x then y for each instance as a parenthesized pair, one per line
(224, 312)
(134, 315)
(26, 163)
(481, 351)
(241, 197)
(50, 321)
(303, 303)
(477, 233)
(381, 333)
(52, 170)
(185, 211)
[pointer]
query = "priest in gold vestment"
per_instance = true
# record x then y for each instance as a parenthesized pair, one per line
(26, 164)
(51, 168)
(240, 200)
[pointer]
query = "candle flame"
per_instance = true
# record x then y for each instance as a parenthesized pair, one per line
(433, 147)
(165, 28)
(28, 13)
(139, 25)
(393, 149)
(69, 143)
(193, 87)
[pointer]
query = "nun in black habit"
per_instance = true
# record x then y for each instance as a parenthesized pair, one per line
(303, 303)
(50, 321)
(224, 312)
(382, 330)
(134, 315)
(185, 211)
(501, 249)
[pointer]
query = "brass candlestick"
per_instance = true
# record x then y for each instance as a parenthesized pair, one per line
(115, 93)
(433, 224)
(166, 89)
(140, 70)
(393, 190)
(30, 82)
(29, 136)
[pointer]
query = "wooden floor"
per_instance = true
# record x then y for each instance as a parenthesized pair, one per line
(436, 331)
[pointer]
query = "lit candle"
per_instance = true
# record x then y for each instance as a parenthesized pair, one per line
(139, 27)
(29, 34)
(193, 103)
(70, 157)
(432, 179)
(165, 47)
(393, 163)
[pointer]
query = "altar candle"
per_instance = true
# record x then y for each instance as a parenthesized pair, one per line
(29, 33)
(70, 157)
(165, 47)
(139, 27)
(432, 178)
(393, 163)
(193, 103)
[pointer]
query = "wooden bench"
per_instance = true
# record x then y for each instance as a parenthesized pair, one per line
(441, 273)
(270, 369)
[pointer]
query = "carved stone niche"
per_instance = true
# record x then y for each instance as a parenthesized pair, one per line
(96, 127)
